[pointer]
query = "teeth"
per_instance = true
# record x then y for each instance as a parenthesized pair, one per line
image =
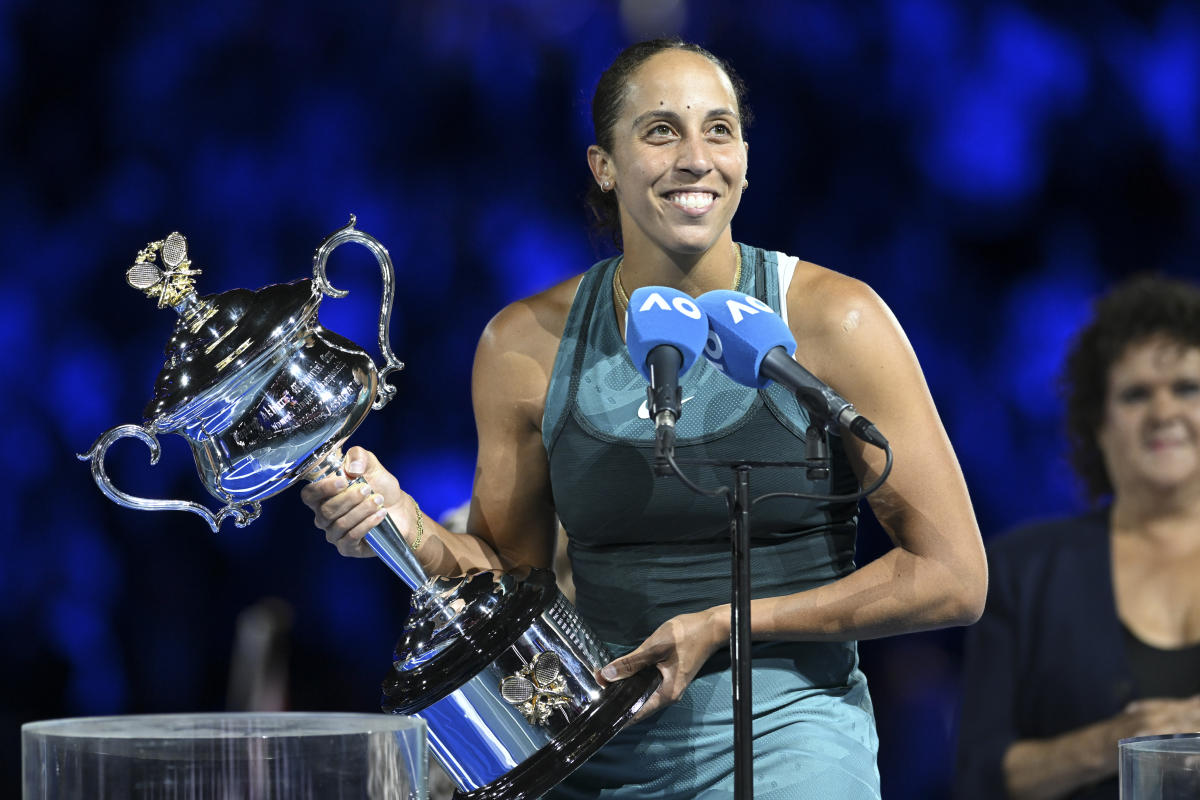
(691, 199)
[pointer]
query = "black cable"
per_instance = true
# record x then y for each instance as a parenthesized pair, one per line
(727, 493)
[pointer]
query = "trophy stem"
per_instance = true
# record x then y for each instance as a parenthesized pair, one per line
(389, 545)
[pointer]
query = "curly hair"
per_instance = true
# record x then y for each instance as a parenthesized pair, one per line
(1141, 308)
(606, 108)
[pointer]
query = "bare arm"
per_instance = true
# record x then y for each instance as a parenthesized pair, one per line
(1045, 769)
(512, 515)
(936, 575)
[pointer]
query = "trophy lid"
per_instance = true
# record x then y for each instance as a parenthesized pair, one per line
(216, 335)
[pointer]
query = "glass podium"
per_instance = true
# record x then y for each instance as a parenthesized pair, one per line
(250, 756)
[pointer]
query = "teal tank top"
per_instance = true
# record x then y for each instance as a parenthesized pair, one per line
(644, 549)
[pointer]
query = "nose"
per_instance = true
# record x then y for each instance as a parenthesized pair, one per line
(1164, 405)
(694, 156)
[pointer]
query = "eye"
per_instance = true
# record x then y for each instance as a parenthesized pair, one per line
(661, 129)
(1137, 393)
(721, 129)
(1186, 387)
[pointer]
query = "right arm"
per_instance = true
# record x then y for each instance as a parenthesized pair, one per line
(994, 760)
(1044, 769)
(512, 514)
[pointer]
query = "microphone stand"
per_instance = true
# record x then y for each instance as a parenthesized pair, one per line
(740, 505)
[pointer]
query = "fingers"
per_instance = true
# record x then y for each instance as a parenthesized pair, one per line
(359, 461)
(1153, 716)
(348, 516)
(650, 653)
(621, 668)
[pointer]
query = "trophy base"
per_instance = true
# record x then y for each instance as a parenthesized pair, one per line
(503, 671)
(539, 773)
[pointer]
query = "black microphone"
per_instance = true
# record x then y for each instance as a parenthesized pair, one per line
(751, 344)
(665, 331)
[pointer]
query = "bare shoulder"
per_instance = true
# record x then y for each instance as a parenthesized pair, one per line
(832, 315)
(517, 349)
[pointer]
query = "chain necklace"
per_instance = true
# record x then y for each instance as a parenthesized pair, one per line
(623, 299)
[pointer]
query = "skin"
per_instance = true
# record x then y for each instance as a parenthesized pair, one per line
(1150, 440)
(679, 130)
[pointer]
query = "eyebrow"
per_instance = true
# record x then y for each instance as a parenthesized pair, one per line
(672, 116)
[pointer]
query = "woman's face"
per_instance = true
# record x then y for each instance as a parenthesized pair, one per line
(678, 158)
(1150, 436)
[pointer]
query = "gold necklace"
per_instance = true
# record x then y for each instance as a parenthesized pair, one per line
(623, 298)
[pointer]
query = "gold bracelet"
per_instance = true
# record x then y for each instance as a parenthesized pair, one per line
(420, 527)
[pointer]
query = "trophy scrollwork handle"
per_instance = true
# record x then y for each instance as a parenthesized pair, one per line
(351, 234)
(243, 514)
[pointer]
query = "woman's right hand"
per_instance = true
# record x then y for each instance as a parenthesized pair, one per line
(1155, 716)
(347, 511)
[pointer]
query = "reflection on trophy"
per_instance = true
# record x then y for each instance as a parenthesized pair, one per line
(498, 664)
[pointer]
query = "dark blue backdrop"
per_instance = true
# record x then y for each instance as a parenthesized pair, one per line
(987, 167)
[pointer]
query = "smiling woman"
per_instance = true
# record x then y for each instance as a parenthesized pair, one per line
(1092, 627)
(556, 406)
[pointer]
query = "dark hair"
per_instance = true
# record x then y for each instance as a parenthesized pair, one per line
(1142, 308)
(606, 107)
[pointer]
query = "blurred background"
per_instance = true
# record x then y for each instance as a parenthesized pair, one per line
(987, 167)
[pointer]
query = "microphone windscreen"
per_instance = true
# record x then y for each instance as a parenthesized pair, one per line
(742, 329)
(660, 315)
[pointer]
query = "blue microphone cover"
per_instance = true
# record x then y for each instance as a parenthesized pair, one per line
(660, 315)
(742, 330)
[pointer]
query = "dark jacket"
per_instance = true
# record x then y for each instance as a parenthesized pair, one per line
(1048, 655)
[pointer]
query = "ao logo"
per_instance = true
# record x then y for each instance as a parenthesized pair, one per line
(683, 305)
(751, 307)
(738, 310)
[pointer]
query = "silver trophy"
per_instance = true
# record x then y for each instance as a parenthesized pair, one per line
(498, 664)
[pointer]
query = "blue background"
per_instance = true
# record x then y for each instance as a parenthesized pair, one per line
(987, 167)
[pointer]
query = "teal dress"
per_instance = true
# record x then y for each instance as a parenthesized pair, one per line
(644, 549)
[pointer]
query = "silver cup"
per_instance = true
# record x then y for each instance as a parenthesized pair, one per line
(498, 664)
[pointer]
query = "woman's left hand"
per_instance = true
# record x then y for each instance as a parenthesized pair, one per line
(678, 648)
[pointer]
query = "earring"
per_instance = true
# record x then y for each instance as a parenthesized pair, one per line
(604, 187)
(745, 184)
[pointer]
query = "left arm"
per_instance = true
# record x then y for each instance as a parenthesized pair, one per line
(935, 576)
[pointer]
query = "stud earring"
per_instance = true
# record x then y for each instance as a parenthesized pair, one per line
(604, 187)
(745, 184)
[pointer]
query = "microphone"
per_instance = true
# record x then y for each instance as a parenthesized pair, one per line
(753, 345)
(665, 331)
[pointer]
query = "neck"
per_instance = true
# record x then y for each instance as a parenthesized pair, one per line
(694, 273)
(1169, 518)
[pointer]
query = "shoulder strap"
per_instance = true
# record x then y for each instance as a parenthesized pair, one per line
(568, 362)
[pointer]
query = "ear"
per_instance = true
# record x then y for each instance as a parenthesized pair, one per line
(601, 165)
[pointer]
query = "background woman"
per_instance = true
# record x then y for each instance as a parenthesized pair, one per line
(1092, 627)
(555, 399)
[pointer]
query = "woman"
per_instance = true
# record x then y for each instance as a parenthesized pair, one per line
(1092, 627)
(556, 401)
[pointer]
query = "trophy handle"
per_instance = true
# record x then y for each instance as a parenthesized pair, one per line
(242, 515)
(350, 234)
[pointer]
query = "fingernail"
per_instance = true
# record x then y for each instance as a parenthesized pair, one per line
(340, 483)
(364, 490)
(356, 466)
(609, 673)
(377, 500)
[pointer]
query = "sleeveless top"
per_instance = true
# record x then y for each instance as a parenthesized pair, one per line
(645, 548)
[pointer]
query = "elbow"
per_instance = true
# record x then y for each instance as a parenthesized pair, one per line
(962, 591)
(971, 594)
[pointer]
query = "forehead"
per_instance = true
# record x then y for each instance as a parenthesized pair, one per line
(679, 80)
(1155, 357)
